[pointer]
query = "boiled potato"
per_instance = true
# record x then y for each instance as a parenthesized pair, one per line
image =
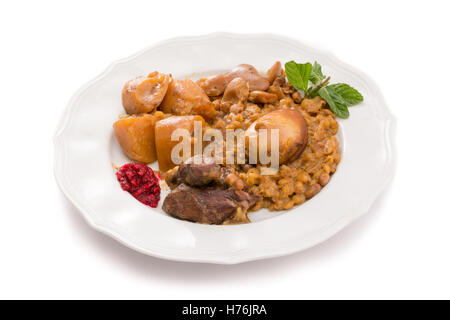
(164, 143)
(186, 97)
(136, 135)
(293, 132)
(145, 94)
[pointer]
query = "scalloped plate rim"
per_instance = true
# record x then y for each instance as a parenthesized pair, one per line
(321, 236)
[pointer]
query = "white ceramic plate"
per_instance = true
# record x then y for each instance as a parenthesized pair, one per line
(85, 148)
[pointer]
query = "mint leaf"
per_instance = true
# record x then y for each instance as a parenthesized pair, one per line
(336, 103)
(350, 95)
(298, 74)
(339, 96)
(316, 73)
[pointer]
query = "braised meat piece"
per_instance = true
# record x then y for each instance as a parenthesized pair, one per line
(209, 205)
(200, 171)
(236, 91)
(196, 171)
(274, 72)
(205, 192)
(185, 97)
(216, 85)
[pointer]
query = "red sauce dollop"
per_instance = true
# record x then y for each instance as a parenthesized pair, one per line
(140, 180)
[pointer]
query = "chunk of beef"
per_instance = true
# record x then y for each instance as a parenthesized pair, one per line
(196, 171)
(251, 75)
(262, 97)
(210, 205)
(274, 72)
(216, 85)
(200, 171)
(236, 91)
(185, 97)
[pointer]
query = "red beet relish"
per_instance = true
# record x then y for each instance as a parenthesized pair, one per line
(140, 180)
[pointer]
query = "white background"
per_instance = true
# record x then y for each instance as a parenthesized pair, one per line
(400, 249)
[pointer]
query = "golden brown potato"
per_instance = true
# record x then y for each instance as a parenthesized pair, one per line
(216, 85)
(144, 94)
(136, 135)
(186, 97)
(163, 133)
(293, 132)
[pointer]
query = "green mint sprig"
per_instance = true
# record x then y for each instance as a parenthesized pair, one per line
(309, 78)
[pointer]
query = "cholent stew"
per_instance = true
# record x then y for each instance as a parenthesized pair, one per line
(288, 114)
